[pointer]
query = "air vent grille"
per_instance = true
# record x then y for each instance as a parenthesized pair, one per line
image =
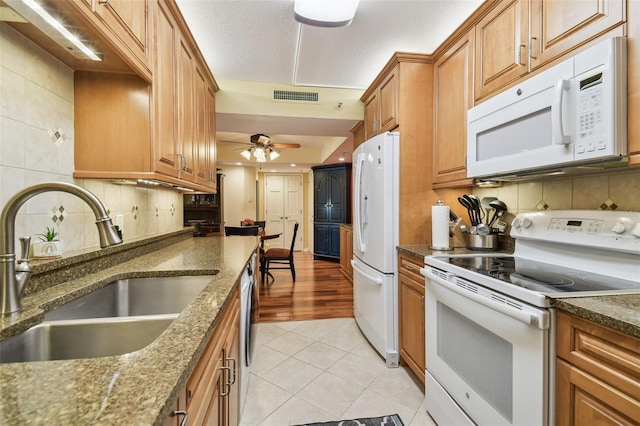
(290, 96)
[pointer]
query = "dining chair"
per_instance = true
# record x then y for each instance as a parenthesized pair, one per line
(241, 230)
(281, 257)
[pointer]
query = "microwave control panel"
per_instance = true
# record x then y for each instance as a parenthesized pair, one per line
(591, 135)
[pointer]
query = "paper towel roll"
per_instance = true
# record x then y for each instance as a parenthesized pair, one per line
(440, 226)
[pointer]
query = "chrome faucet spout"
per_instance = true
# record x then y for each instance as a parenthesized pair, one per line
(13, 283)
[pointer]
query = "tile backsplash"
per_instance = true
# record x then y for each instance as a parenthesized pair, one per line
(611, 191)
(36, 145)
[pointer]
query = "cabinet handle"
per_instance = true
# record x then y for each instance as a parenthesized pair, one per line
(531, 47)
(103, 1)
(181, 413)
(234, 370)
(410, 267)
(224, 367)
(519, 58)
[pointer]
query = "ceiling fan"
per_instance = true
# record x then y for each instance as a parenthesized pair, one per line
(262, 149)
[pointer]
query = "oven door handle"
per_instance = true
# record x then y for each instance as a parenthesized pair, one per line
(526, 317)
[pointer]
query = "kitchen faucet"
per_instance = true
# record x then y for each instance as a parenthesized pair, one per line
(16, 277)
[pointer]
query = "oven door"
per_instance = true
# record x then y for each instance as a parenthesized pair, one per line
(487, 355)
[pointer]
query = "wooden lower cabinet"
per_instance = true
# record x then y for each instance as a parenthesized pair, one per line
(211, 396)
(597, 374)
(411, 329)
(346, 251)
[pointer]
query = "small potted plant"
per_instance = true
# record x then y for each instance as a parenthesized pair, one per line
(49, 245)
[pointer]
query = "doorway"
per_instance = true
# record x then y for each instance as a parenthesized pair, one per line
(283, 208)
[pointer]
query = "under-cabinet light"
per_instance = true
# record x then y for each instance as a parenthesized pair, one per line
(45, 22)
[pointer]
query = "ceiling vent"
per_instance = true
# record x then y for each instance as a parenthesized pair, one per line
(290, 96)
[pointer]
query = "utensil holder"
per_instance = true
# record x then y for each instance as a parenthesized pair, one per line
(483, 242)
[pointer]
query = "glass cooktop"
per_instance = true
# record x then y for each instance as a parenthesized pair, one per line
(540, 277)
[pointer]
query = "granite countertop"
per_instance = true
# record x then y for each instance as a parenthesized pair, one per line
(136, 388)
(621, 312)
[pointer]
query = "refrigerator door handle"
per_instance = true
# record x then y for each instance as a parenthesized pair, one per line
(370, 278)
(358, 214)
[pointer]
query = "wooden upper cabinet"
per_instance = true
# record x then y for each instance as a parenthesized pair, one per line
(517, 36)
(186, 116)
(164, 81)
(129, 22)
(125, 27)
(127, 128)
(453, 93)
(501, 47)
(381, 107)
(560, 25)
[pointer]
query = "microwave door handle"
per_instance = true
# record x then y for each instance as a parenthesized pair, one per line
(557, 125)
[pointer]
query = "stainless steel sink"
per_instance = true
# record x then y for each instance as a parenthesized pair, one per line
(57, 340)
(121, 317)
(134, 297)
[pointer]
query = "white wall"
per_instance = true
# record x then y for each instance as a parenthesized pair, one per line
(36, 97)
(239, 192)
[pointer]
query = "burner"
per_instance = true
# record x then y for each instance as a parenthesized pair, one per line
(548, 278)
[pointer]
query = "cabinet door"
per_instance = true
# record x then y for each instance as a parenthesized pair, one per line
(232, 360)
(321, 196)
(337, 197)
(334, 241)
(388, 102)
(585, 400)
(633, 84)
(411, 327)
(501, 42)
(210, 137)
(164, 77)
(321, 240)
(185, 117)
(453, 91)
(560, 25)
(203, 172)
(128, 20)
(371, 116)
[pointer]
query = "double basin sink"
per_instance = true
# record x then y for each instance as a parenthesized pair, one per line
(119, 318)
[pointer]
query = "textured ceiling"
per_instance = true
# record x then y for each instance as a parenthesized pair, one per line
(259, 41)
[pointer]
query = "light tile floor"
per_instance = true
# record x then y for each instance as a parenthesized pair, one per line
(322, 370)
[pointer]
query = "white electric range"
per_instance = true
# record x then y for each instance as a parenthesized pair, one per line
(489, 317)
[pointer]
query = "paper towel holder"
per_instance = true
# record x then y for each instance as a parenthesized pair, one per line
(451, 220)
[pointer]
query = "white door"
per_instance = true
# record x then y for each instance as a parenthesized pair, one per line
(283, 208)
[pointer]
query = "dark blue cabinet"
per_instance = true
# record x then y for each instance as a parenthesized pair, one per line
(332, 206)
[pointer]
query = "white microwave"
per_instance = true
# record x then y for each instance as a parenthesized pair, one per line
(573, 114)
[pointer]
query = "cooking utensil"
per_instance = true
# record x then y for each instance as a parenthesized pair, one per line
(467, 204)
(474, 208)
(487, 208)
(480, 213)
(500, 209)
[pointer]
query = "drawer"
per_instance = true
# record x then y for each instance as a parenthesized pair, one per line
(606, 354)
(410, 266)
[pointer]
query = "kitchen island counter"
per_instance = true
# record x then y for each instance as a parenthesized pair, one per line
(621, 312)
(139, 388)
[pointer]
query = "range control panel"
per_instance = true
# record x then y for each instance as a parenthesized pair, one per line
(602, 229)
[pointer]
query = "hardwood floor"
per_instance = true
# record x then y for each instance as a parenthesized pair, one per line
(320, 291)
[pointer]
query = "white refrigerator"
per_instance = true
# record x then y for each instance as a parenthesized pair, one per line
(375, 237)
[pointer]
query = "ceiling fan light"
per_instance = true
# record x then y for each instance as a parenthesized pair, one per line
(273, 155)
(246, 154)
(325, 13)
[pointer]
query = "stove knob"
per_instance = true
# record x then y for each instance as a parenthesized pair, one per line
(517, 223)
(526, 223)
(619, 228)
(635, 231)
